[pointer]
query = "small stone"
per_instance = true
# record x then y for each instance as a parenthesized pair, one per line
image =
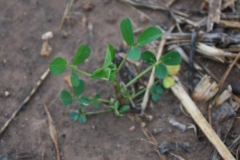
(157, 130)
(149, 117)
(48, 35)
(7, 93)
(4, 61)
(132, 128)
(88, 6)
(143, 18)
(46, 49)
(143, 124)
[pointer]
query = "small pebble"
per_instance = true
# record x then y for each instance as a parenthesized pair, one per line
(143, 18)
(6, 93)
(149, 117)
(157, 130)
(143, 124)
(132, 128)
(4, 61)
(48, 35)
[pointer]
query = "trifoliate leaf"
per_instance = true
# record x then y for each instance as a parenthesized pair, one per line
(134, 53)
(168, 82)
(124, 109)
(155, 97)
(172, 58)
(74, 115)
(82, 119)
(82, 54)
(148, 57)
(58, 65)
(110, 53)
(77, 90)
(95, 105)
(172, 70)
(83, 101)
(160, 71)
(127, 31)
(98, 73)
(74, 78)
(66, 98)
(149, 35)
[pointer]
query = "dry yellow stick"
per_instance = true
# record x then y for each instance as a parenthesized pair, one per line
(151, 79)
(230, 24)
(201, 121)
(53, 131)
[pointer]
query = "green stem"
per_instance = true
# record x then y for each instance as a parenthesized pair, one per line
(97, 112)
(80, 71)
(84, 73)
(121, 64)
(101, 100)
(138, 93)
(140, 75)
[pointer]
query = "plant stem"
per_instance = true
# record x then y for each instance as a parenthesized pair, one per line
(121, 64)
(138, 93)
(80, 71)
(101, 100)
(140, 75)
(85, 73)
(97, 112)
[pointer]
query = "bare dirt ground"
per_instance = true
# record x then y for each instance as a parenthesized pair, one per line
(105, 136)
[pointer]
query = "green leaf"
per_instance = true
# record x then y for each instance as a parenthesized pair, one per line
(124, 109)
(98, 73)
(66, 98)
(95, 105)
(134, 53)
(82, 54)
(149, 35)
(127, 31)
(77, 90)
(155, 97)
(110, 53)
(58, 65)
(160, 71)
(159, 89)
(107, 72)
(74, 78)
(168, 82)
(74, 115)
(82, 119)
(171, 58)
(148, 57)
(112, 76)
(116, 105)
(83, 101)
(96, 96)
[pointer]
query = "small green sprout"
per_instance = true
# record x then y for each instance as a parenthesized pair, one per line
(168, 65)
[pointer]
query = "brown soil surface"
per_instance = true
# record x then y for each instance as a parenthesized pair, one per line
(104, 136)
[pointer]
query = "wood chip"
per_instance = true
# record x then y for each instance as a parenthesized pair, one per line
(214, 13)
(204, 90)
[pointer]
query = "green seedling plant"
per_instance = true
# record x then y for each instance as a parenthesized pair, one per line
(168, 65)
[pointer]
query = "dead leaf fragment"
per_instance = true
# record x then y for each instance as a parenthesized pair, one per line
(67, 79)
(46, 49)
(53, 131)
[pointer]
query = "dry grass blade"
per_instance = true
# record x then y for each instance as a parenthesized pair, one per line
(201, 121)
(53, 131)
(153, 140)
(228, 71)
(214, 13)
(38, 84)
(67, 9)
